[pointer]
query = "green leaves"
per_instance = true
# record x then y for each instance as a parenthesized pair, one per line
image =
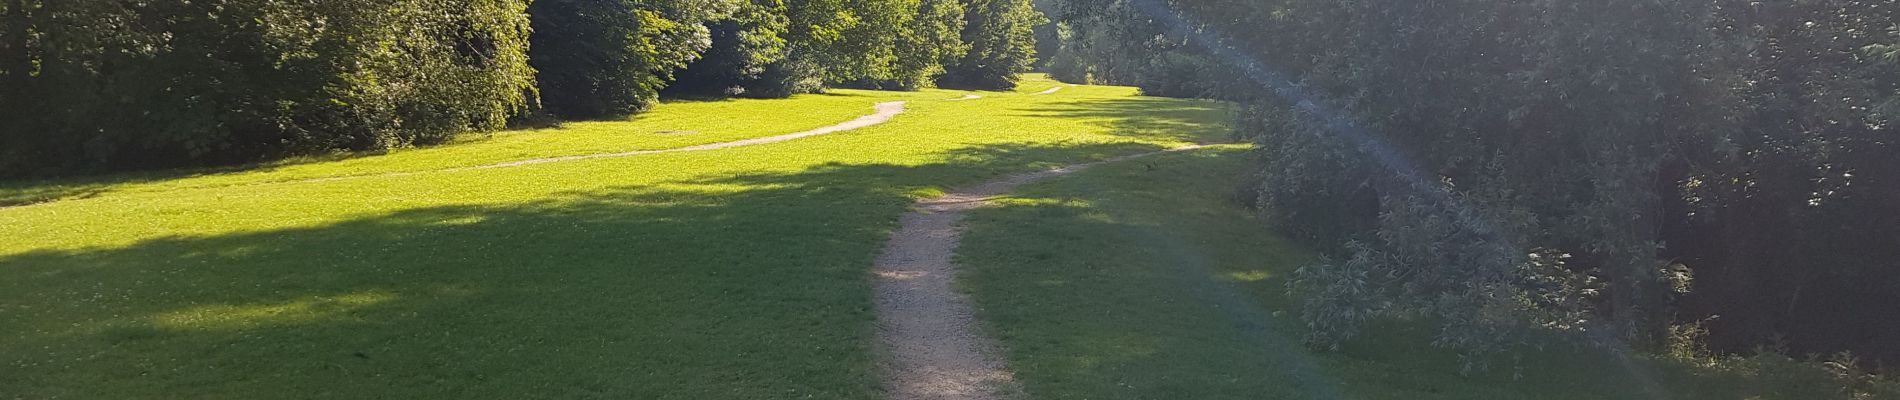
(607, 59)
(1002, 43)
(1570, 123)
(101, 85)
(126, 85)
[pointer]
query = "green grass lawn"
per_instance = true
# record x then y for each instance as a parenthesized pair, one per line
(1151, 280)
(732, 274)
(669, 125)
(737, 273)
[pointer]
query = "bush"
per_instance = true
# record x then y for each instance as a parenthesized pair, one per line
(105, 85)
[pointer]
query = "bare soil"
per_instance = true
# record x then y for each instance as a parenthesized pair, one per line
(933, 347)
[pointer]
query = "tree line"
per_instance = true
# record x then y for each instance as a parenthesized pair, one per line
(91, 86)
(1666, 175)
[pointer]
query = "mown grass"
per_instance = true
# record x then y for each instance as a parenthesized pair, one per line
(669, 125)
(1151, 280)
(732, 274)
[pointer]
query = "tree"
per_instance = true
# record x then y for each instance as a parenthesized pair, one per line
(812, 34)
(1508, 167)
(772, 49)
(743, 45)
(610, 58)
(1002, 40)
(928, 40)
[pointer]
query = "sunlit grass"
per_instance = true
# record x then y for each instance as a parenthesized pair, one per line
(669, 125)
(229, 316)
(732, 274)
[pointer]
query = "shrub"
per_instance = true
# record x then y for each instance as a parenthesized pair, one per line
(111, 85)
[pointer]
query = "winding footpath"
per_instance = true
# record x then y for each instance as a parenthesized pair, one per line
(926, 327)
(884, 112)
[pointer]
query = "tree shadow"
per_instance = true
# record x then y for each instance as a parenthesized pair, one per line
(748, 286)
(1186, 120)
(24, 192)
(34, 190)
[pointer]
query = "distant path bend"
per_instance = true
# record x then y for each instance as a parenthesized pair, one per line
(935, 350)
(1052, 90)
(884, 112)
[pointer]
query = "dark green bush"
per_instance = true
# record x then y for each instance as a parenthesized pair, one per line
(116, 85)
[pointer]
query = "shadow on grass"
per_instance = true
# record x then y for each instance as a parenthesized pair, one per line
(35, 191)
(751, 286)
(29, 191)
(1149, 117)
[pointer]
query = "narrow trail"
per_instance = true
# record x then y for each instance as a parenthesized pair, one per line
(884, 112)
(1052, 90)
(934, 349)
(967, 97)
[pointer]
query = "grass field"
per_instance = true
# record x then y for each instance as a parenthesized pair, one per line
(669, 125)
(738, 273)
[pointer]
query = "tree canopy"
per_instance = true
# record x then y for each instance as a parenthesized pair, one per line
(1002, 43)
(1629, 171)
(596, 59)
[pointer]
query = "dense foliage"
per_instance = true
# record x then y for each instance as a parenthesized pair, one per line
(925, 43)
(1604, 168)
(743, 45)
(90, 85)
(95, 86)
(1002, 42)
(610, 58)
(774, 49)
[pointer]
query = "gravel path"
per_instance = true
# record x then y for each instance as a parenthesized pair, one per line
(1052, 90)
(934, 349)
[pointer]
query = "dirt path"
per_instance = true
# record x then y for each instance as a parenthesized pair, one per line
(885, 111)
(967, 97)
(934, 349)
(1052, 90)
